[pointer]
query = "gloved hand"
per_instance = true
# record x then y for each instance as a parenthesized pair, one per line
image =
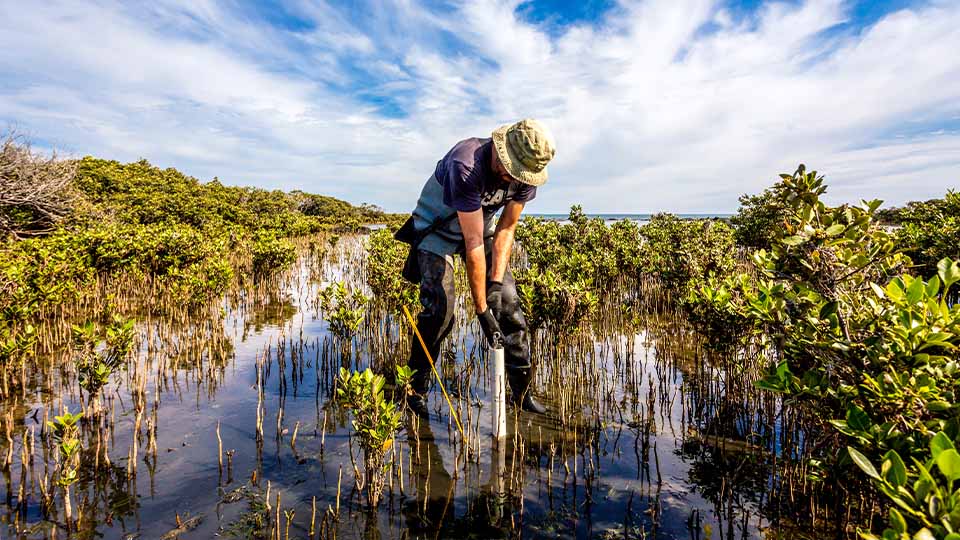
(495, 297)
(489, 325)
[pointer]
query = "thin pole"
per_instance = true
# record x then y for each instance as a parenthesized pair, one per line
(434, 368)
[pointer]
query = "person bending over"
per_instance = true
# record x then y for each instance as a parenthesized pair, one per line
(456, 216)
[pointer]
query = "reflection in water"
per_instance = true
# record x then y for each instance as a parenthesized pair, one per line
(223, 424)
(431, 513)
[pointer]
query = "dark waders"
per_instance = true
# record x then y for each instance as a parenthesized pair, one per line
(438, 298)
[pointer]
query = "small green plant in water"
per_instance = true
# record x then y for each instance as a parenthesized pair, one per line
(64, 430)
(385, 259)
(343, 309)
(100, 353)
(375, 422)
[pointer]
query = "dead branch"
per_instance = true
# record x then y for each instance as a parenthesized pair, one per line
(35, 190)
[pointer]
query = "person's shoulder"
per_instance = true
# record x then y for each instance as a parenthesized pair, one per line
(468, 151)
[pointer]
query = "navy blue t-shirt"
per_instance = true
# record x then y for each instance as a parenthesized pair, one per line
(469, 182)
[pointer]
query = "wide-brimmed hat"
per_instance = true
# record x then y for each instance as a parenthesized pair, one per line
(525, 148)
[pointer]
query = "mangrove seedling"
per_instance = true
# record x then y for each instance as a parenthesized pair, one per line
(385, 260)
(100, 354)
(375, 422)
(343, 309)
(64, 430)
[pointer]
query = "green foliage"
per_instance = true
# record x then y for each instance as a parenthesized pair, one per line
(15, 347)
(550, 301)
(271, 254)
(188, 237)
(926, 493)
(385, 259)
(713, 309)
(684, 253)
(404, 379)
(760, 220)
(60, 268)
(100, 352)
(568, 264)
(141, 193)
(64, 431)
(253, 522)
(343, 309)
(375, 422)
(866, 349)
(930, 231)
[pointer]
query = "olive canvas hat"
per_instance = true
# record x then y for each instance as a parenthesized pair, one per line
(525, 148)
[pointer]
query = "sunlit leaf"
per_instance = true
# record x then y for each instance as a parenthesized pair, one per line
(949, 463)
(939, 443)
(864, 463)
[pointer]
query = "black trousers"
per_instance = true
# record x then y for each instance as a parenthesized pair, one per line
(438, 298)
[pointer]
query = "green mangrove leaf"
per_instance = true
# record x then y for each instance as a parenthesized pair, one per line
(933, 286)
(864, 463)
(795, 240)
(828, 309)
(858, 419)
(938, 406)
(894, 291)
(835, 229)
(915, 291)
(949, 272)
(894, 470)
(897, 523)
(939, 443)
(949, 463)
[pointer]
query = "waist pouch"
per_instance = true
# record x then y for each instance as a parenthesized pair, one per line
(408, 234)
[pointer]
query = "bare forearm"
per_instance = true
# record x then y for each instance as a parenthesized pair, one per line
(502, 246)
(503, 240)
(477, 276)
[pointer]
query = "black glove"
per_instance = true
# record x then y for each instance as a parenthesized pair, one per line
(490, 327)
(495, 297)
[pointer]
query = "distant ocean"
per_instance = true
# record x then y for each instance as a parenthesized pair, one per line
(640, 218)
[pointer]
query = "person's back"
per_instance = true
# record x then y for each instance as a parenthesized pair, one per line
(464, 181)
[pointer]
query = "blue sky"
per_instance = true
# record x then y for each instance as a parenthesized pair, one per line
(678, 105)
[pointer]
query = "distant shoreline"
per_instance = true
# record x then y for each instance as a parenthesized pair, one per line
(631, 217)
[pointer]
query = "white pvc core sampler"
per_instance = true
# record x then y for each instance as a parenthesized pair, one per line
(499, 398)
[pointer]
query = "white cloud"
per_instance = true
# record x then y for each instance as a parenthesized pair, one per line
(650, 110)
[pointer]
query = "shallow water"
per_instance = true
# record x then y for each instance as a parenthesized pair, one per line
(639, 441)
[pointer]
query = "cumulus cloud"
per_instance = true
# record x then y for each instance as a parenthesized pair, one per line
(675, 105)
